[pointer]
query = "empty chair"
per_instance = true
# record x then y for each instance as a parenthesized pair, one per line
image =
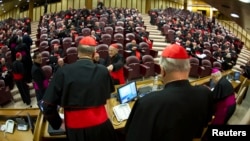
(106, 39)
(86, 31)
(205, 68)
(154, 68)
(170, 37)
(207, 45)
(103, 51)
(43, 37)
(5, 94)
(133, 69)
(45, 57)
(130, 36)
(54, 41)
(8, 57)
(44, 45)
(109, 30)
(119, 29)
(194, 70)
(119, 38)
(147, 51)
(120, 23)
(47, 69)
(66, 43)
(71, 55)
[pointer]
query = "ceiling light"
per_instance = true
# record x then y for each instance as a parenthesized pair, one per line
(245, 1)
(234, 15)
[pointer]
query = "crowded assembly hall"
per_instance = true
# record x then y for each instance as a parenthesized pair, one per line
(98, 70)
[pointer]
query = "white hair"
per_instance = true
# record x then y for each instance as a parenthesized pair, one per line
(172, 65)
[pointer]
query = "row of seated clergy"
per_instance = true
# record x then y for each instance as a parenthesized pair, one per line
(132, 69)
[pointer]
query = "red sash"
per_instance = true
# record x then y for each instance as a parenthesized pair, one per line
(118, 75)
(138, 55)
(17, 76)
(84, 118)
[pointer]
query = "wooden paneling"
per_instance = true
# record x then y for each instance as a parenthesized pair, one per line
(64, 5)
(134, 5)
(112, 4)
(70, 4)
(53, 7)
(119, 3)
(77, 4)
(82, 3)
(58, 6)
(124, 3)
(129, 3)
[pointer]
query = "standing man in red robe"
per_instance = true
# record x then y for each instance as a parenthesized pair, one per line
(114, 63)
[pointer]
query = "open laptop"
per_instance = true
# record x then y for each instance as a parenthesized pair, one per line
(237, 76)
(127, 92)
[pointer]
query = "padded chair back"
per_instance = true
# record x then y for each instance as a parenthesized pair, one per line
(106, 39)
(145, 47)
(119, 29)
(8, 57)
(119, 38)
(217, 65)
(130, 36)
(43, 37)
(45, 57)
(66, 43)
(86, 31)
(71, 55)
(133, 63)
(206, 68)
(194, 70)
(77, 40)
(103, 51)
(103, 19)
(54, 41)
(47, 69)
(171, 36)
(5, 94)
(5, 49)
(154, 68)
(120, 23)
(109, 30)
(120, 48)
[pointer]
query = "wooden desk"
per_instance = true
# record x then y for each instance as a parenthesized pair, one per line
(17, 135)
(113, 102)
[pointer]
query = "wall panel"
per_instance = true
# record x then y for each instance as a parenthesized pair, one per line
(129, 3)
(64, 5)
(94, 4)
(70, 4)
(53, 7)
(143, 6)
(58, 6)
(139, 5)
(134, 4)
(124, 3)
(77, 4)
(113, 2)
(82, 3)
(119, 3)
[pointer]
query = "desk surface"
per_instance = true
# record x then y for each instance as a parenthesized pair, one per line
(17, 135)
(113, 102)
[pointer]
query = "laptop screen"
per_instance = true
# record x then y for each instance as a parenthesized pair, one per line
(236, 76)
(127, 92)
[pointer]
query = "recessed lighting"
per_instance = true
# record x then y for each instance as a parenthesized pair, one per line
(245, 1)
(234, 15)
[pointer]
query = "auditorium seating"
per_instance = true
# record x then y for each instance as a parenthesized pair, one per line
(154, 69)
(5, 94)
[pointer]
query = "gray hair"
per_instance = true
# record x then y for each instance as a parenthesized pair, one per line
(85, 49)
(172, 65)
